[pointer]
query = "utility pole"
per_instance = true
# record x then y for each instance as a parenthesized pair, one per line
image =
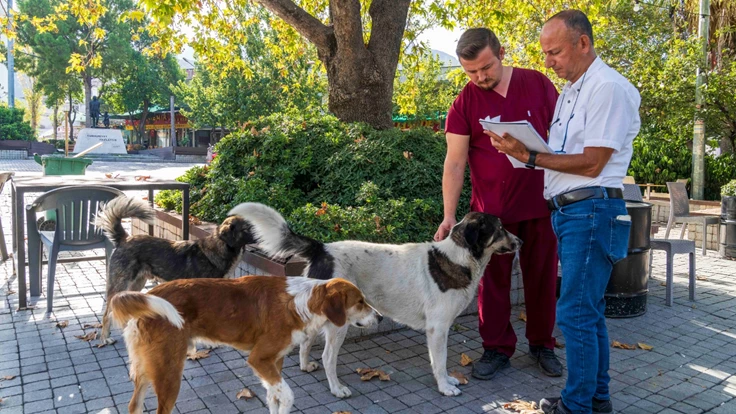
(698, 188)
(11, 74)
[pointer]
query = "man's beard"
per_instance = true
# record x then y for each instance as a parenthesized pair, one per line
(489, 86)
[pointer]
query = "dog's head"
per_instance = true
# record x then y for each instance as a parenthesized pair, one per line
(343, 303)
(235, 232)
(484, 234)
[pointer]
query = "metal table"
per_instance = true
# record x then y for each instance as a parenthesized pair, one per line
(23, 185)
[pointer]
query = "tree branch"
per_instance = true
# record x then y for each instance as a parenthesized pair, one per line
(307, 25)
(389, 21)
(347, 23)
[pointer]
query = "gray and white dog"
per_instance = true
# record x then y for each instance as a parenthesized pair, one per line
(139, 258)
(422, 285)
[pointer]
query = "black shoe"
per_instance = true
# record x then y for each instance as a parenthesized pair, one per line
(553, 406)
(599, 406)
(489, 364)
(546, 361)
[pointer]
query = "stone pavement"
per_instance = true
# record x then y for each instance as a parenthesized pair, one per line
(691, 368)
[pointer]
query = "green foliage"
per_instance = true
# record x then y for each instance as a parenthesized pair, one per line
(331, 179)
(729, 190)
(718, 172)
(13, 127)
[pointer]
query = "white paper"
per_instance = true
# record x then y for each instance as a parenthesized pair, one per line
(521, 130)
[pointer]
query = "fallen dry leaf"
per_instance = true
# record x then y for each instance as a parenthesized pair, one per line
(253, 132)
(62, 324)
(522, 316)
(523, 407)
(459, 328)
(142, 177)
(460, 377)
(8, 377)
(108, 175)
(205, 353)
(94, 325)
(701, 278)
(465, 360)
(87, 338)
(245, 394)
(366, 374)
(194, 220)
(10, 292)
(559, 345)
(617, 344)
(408, 155)
(645, 347)
(144, 198)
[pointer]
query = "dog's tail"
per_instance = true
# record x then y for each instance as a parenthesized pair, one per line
(125, 306)
(278, 240)
(110, 215)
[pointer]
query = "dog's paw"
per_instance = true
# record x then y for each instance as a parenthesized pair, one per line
(341, 391)
(449, 390)
(452, 380)
(310, 367)
(105, 342)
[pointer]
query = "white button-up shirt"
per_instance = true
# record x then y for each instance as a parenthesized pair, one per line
(601, 109)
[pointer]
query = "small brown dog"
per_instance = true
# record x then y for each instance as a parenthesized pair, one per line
(266, 315)
(139, 258)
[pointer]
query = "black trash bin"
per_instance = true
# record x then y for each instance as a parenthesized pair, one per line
(626, 293)
(727, 246)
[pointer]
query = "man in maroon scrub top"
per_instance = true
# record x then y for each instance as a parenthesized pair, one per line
(512, 194)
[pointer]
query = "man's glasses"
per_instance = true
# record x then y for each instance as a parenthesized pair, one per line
(572, 115)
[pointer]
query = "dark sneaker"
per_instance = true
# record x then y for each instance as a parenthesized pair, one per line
(546, 361)
(599, 406)
(553, 405)
(489, 364)
(602, 406)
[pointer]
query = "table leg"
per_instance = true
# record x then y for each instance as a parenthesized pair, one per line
(34, 259)
(150, 201)
(20, 254)
(185, 214)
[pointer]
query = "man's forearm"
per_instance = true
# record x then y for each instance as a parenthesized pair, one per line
(452, 185)
(577, 164)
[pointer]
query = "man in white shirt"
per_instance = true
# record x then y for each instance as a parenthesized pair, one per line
(597, 118)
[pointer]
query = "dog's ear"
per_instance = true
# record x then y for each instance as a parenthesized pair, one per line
(334, 308)
(236, 232)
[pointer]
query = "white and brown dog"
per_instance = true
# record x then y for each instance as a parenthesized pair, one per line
(422, 285)
(265, 315)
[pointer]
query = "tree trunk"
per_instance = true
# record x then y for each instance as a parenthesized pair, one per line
(87, 79)
(142, 124)
(360, 76)
(56, 122)
(70, 119)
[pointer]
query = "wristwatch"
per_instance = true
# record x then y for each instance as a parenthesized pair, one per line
(532, 160)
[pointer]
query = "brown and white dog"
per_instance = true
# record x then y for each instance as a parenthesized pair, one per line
(265, 315)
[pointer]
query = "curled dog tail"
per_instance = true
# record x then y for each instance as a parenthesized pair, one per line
(276, 239)
(125, 306)
(110, 215)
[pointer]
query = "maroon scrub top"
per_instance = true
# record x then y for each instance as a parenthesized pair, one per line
(512, 194)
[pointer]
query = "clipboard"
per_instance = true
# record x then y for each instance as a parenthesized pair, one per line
(521, 130)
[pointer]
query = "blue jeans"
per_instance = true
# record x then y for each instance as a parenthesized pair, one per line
(591, 237)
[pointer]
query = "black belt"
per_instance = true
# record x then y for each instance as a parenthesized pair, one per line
(583, 194)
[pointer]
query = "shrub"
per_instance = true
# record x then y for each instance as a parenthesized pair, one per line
(659, 160)
(332, 180)
(729, 190)
(13, 127)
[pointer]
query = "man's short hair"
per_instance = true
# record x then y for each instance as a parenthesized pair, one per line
(474, 40)
(575, 21)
